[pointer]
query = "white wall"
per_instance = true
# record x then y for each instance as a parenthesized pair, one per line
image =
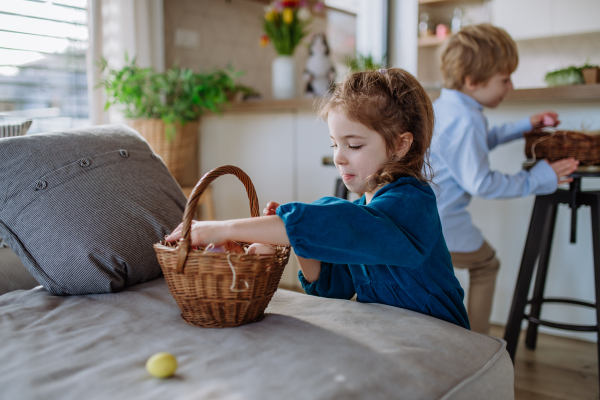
(505, 222)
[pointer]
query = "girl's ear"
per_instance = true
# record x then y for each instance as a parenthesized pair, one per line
(403, 144)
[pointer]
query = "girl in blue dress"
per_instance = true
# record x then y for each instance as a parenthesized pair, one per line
(387, 247)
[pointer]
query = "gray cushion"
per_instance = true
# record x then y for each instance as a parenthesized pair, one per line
(14, 129)
(306, 347)
(82, 208)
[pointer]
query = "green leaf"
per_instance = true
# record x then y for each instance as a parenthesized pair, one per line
(178, 95)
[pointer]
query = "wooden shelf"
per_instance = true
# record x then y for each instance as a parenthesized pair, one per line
(558, 93)
(273, 105)
(429, 41)
(445, 2)
(549, 94)
(577, 93)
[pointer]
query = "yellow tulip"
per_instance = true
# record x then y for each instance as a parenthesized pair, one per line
(288, 15)
(270, 16)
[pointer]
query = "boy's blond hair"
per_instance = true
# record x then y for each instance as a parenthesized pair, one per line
(478, 51)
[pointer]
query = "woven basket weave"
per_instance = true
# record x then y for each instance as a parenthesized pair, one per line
(559, 144)
(175, 153)
(215, 290)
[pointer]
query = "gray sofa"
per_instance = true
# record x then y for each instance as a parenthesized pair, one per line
(13, 274)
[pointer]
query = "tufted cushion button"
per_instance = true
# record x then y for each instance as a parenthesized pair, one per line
(40, 185)
(84, 162)
(124, 153)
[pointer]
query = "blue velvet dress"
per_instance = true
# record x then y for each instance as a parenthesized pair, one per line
(391, 251)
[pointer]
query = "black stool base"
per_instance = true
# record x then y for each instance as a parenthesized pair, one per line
(537, 248)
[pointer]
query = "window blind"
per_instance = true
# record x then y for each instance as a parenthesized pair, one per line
(43, 47)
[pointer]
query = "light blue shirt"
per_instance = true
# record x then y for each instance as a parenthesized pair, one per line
(459, 158)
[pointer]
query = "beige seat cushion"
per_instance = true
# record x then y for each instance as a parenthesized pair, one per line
(95, 347)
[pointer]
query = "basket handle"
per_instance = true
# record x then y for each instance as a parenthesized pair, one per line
(192, 204)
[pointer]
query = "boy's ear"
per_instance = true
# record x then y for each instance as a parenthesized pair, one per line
(469, 83)
(403, 144)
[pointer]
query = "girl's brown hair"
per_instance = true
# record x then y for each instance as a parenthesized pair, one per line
(389, 102)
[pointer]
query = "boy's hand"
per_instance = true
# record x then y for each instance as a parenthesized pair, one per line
(271, 208)
(563, 168)
(546, 118)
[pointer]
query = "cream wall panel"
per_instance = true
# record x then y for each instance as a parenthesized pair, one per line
(263, 146)
(315, 180)
(576, 16)
(525, 19)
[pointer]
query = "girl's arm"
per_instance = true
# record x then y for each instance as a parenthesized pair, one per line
(270, 229)
(311, 269)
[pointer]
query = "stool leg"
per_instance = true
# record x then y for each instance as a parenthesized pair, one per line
(341, 190)
(540, 277)
(596, 247)
(530, 254)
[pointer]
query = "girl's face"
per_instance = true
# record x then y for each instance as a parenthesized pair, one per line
(357, 152)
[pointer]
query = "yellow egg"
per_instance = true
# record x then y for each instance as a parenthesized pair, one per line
(161, 365)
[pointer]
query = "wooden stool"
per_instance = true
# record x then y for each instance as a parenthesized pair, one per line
(538, 247)
(206, 200)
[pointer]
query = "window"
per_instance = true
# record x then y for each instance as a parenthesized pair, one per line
(43, 47)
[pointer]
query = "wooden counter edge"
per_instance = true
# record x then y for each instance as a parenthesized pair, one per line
(558, 93)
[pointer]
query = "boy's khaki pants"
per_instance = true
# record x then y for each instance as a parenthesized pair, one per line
(483, 267)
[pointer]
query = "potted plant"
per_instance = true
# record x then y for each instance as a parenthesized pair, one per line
(365, 63)
(165, 107)
(284, 23)
(591, 73)
(574, 75)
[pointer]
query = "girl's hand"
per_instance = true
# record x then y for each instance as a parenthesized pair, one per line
(203, 233)
(546, 118)
(563, 168)
(271, 208)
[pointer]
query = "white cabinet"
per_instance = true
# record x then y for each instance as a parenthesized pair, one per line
(576, 16)
(261, 146)
(282, 153)
(315, 180)
(532, 19)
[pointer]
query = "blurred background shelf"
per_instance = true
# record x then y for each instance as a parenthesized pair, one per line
(584, 93)
(430, 41)
(574, 93)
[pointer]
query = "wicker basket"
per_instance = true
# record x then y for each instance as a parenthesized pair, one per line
(215, 290)
(559, 144)
(175, 153)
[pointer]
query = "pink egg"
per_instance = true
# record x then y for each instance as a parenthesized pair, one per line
(548, 121)
(211, 249)
(260, 248)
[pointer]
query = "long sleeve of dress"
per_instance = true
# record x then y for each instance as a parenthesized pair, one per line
(335, 282)
(340, 232)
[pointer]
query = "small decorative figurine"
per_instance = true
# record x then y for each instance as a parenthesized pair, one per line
(319, 72)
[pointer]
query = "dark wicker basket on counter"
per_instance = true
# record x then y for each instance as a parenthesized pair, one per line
(216, 290)
(554, 145)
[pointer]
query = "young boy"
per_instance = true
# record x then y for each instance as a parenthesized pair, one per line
(476, 66)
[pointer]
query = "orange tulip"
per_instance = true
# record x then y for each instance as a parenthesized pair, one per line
(264, 41)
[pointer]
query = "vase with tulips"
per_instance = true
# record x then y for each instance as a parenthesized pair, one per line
(285, 24)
